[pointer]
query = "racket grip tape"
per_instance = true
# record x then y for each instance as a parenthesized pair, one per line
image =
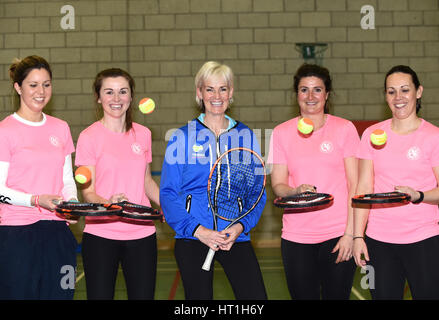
(208, 261)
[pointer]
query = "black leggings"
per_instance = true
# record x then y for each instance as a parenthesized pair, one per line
(240, 265)
(312, 273)
(394, 263)
(101, 259)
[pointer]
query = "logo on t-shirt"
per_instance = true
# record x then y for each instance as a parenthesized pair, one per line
(413, 153)
(326, 147)
(198, 151)
(54, 141)
(137, 149)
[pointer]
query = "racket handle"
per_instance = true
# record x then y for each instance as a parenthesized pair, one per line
(208, 261)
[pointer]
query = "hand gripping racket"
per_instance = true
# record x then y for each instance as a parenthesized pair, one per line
(377, 198)
(73, 210)
(138, 212)
(235, 186)
(305, 200)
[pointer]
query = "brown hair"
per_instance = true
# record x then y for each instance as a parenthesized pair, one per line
(19, 69)
(409, 71)
(314, 70)
(114, 73)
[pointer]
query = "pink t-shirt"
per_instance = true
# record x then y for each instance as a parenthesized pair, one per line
(317, 160)
(405, 160)
(120, 161)
(36, 156)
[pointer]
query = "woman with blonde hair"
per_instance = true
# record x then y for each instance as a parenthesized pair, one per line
(190, 155)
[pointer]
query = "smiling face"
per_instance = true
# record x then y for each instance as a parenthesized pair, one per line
(216, 94)
(311, 96)
(401, 95)
(115, 96)
(35, 90)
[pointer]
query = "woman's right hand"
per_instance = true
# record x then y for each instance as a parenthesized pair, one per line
(211, 238)
(359, 249)
(47, 201)
(118, 197)
(305, 188)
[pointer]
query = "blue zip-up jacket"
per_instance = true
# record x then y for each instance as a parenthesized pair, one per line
(191, 153)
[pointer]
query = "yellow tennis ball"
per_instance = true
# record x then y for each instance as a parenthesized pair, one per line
(82, 175)
(305, 126)
(378, 137)
(146, 105)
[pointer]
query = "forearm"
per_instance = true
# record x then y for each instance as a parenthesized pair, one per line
(152, 191)
(69, 190)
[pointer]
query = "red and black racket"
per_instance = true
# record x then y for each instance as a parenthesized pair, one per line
(305, 201)
(73, 210)
(235, 186)
(381, 198)
(138, 212)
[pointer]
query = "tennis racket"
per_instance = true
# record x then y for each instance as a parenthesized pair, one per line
(73, 210)
(138, 212)
(377, 198)
(310, 201)
(235, 186)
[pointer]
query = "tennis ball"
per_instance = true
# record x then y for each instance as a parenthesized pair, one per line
(146, 105)
(82, 175)
(378, 137)
(305, 126)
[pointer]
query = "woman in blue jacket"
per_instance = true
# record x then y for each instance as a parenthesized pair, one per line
(191, 152)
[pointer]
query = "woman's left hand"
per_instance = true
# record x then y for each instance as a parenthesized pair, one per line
(344, 247)
(232, 234)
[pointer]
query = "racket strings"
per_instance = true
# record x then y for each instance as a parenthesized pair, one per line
(311, 196)
(87, 209)
(385, 195)
(134, 208)
(304, 200)
(236, 184)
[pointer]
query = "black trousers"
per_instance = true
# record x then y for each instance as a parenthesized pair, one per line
(101, 258)
(37, 261)
(240, 265)
(393, 264)
(312, 273)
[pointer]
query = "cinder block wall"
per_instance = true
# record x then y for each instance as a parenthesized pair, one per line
(162, 43)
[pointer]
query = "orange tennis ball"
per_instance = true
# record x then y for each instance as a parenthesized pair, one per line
(305, 126)
(378, 137)
(146, 105)
(82, 175)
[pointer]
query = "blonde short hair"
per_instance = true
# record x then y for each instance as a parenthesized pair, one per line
(209, 69)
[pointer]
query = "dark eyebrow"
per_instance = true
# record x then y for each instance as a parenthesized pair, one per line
(404, 85)
(119, 89)
(319, 87)
(43, 81)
